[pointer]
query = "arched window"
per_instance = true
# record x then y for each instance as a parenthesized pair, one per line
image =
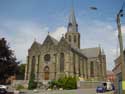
(46, 69)
(69, 38)
(47, 58)
(74, 65)
(92, 69)
(33, 64)
(61, 62)
(74, 38)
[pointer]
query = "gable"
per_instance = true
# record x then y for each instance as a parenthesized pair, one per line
(49, 41)
(63, 44)
(35, 47)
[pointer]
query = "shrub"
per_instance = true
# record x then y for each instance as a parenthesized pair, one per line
(53, 83)
(70, 83)
(19, 87)
(32, 84)
(65, 83)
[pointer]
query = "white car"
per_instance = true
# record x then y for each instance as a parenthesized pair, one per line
(3, 87)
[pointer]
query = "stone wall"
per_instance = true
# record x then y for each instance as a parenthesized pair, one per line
(87, 84)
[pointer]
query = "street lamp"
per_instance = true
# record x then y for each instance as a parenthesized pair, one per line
(93, 8)
(120, 14)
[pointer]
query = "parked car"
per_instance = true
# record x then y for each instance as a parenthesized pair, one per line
(109, 86)
(3, 91)
(113, 87)
(3, 87)
(101, 89)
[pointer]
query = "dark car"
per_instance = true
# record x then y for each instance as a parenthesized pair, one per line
(3, 91)
(101, 88)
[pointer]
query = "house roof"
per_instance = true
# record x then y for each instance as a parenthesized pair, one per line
(78, 51)
(91, 52)
(110, 72)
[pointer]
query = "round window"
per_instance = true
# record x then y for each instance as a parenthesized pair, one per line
(47, 57)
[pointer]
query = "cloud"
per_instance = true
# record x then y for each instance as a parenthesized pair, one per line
(21, 35)
(59, 32)
(103, 34)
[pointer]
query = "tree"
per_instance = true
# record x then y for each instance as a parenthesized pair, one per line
(21, 71)
(8, 62)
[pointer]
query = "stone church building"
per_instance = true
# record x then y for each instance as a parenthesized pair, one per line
(53, 59)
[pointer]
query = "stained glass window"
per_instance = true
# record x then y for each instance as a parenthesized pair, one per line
(62, 62)
(47, 58)
(92, 69)
(33, 64)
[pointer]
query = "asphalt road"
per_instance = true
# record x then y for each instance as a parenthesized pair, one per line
(78, 91)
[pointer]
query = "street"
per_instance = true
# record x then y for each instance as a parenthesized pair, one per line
(78, 91)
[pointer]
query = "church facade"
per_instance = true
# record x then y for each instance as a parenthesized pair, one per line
(54, 59)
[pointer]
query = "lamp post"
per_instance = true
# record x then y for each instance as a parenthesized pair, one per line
(120, 13)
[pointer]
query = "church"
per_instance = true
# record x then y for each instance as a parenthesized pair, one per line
(53, 59)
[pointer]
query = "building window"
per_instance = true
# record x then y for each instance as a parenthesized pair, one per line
(74, 60)
(47, 58)
(61, 62)
(69, 38)
(38, 66)
(46, 69)
(92, 69)
(74, 38)
(33, 64)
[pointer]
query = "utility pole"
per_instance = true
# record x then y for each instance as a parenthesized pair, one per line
(120, 14)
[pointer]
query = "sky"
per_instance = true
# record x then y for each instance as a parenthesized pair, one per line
(24, 21)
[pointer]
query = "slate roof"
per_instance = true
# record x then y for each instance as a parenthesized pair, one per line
(91, 52)
(87, 52)
(108, 72)
(78, 51)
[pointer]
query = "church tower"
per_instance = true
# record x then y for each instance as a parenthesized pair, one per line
(72, 35)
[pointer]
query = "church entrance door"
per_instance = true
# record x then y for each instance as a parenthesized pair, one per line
(46, 76)
(46, 73)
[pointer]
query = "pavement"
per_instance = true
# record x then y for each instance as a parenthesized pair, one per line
(78, 91)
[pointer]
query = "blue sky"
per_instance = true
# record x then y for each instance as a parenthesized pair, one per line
(22, 21)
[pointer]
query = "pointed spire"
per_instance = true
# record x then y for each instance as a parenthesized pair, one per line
(72, 18)
(103, 53)
(48, 33)
(34, 39)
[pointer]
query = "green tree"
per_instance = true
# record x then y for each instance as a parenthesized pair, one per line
(21, 71)
(8, 61)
